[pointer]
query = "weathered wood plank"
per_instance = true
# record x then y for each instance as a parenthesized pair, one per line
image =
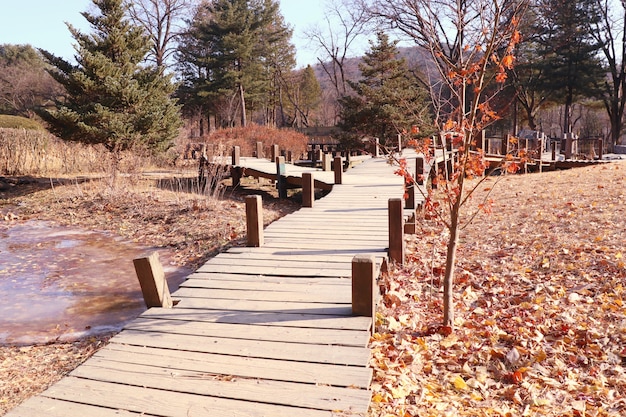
(273, 262)
(165, 403)
(265, 318)
(339, 355)
(265, 306)
(274, 270)
(335, 295)
(269, 369)
(254, 390)
(247, 332)
(50, 407)
(319, 289)
(302, 282)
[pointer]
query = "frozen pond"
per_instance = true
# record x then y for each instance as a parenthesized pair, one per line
(63, 283)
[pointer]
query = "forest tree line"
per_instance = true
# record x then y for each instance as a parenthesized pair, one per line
(228, 63)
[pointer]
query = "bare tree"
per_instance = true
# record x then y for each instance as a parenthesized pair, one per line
(163, 21)
(345, 24)
(471, 43)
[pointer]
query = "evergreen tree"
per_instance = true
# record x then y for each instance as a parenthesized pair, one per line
(110, 98)
(239, 45)
(388, 98)
(570, 62)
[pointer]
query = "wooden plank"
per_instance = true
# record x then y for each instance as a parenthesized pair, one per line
(265, 306)
(253, 390)
(274, 270)
(49, 407)
(332, 296)
(269, 369)
(304, 281)
(165, 403)
(339, 355)
(262, 318)
(304, 256)
(249, 332)
(349, 253)
(271, 261)
(318, 288)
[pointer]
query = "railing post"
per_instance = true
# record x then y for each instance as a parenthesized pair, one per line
(281, 182)
(254, 220)
(338, 168)
(308, 189)
(553, 146)
(236, 155)
(363, 284)
(259, 150)
(275, 152)
(396, 230)
(326, 162)
(152, 281)
(419, 170)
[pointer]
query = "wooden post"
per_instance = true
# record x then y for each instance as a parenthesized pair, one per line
(236, 155)
(308, 189)
(152, 281)
(281, 181)
(235, 175)
(396, 230)
(275, 152)
(326, 162)
(259, 149)
(600, 149)
(569, 140)
(363, 282)
(553, 145)
(409, 190)
(399, 142)
(338, 168)
(289, 157)
(419, 170)
(254, 220)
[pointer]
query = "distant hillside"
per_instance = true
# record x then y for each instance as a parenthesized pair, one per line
(415, 56)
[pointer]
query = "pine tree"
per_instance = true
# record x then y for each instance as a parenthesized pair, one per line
(570, 62)
(388, 99)
(110, 97)
(239, 45)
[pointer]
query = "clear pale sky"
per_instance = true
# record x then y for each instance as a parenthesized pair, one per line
(41, 23)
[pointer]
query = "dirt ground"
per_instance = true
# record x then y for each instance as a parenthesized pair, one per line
(150, 212)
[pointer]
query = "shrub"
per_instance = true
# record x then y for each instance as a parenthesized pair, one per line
(246, 138)
(18, 122)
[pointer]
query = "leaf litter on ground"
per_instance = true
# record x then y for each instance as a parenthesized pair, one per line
(540, 295)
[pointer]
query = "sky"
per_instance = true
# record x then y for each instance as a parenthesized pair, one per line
(41, 23)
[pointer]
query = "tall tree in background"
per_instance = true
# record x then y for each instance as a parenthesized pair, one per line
(163, 22)
(528, 78)
(24, 82)
(472, 45)
(609, 31)
(241, 41)
(388, 99)
(278, 57)
(110, 98)
(570, 53)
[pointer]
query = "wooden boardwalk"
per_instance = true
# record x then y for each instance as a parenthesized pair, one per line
(257, 331)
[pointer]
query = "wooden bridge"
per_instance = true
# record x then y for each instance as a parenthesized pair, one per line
(257, 331)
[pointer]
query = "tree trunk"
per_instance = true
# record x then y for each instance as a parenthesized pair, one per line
(448, 281)
(244, 119)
